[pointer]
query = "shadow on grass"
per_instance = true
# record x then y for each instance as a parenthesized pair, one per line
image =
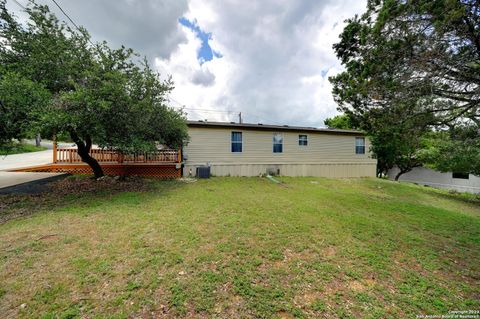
(468, 198)
(453, 195)
(80, 190)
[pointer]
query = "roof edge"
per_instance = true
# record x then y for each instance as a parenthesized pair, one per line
(261, 126)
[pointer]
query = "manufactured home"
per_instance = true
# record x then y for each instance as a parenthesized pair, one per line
(240, 149)
(459, 182)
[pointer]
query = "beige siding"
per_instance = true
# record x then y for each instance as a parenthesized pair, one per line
(327, 154)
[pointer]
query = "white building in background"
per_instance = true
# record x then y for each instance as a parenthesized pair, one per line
(425, 176)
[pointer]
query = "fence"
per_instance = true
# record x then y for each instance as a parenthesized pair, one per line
(70, 155)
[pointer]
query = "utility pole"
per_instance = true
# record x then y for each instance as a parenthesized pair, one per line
(240, 117)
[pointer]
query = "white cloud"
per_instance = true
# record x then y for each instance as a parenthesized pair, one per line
(149, 26)
(276, 59)
(276, 54)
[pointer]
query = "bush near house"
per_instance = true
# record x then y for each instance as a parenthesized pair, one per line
(239, 247)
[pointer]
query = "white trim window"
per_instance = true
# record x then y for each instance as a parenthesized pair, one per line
(277, 143)
(237, 141)
(303, 140)
(359, 145)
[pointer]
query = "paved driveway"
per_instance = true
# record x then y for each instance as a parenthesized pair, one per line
(8, 162)
(8, 181)
(25, 160)
(28, 182)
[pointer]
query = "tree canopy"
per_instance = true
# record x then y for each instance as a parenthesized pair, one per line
(418, 61)
(98, 95)
(18, 94)
(341, 121)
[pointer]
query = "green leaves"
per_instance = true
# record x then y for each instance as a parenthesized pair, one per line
(454, 151)
(411, 67)
(21, 105)
(92, 92)
(340, 122)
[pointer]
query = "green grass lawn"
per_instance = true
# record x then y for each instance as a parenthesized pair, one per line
(19, 148)
(242, 248)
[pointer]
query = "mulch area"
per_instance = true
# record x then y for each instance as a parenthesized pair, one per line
(64, 191)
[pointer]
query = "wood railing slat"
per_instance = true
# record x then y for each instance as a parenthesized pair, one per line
(70, 155)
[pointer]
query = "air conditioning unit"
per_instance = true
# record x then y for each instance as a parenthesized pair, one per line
(203, 172)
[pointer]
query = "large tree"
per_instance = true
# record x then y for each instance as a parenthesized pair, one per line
(391, 144)
(418, 60)
(456, 150)
(98, 95)
(17, 116)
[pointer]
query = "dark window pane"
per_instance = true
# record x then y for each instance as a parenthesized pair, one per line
(236, 147)
(360, 149)
(460, 175)
(302, 140)
(236, 136)
(236, 142)
(277, 148)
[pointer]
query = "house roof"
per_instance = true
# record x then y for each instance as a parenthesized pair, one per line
(269, 127)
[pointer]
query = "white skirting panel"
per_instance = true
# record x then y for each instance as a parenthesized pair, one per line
(334, 170)
(430, 177)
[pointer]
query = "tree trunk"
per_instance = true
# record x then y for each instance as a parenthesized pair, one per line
(97, 169)
(406, 169)
(398, 175)
(38, 140)
(401, 172)
(83, 149)
(381, 169)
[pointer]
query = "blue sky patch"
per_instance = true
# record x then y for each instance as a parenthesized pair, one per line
(205, 53)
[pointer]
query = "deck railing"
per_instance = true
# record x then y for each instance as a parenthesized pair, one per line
(70, 155)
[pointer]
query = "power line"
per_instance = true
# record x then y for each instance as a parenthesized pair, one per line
(66, 14)
(259, 118)
(20, 5)
(201, 109)
(171, 98)
(63, 11)
(197, 109)
(71, 20)
(78, 28)
(208, 110)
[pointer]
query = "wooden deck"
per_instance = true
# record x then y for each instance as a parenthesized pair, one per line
(70, 155)
(165, 164)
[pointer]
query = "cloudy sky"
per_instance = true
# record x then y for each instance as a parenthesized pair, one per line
(269, 59)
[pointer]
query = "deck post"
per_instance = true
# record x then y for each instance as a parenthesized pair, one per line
(54, 148)
(179, 154)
